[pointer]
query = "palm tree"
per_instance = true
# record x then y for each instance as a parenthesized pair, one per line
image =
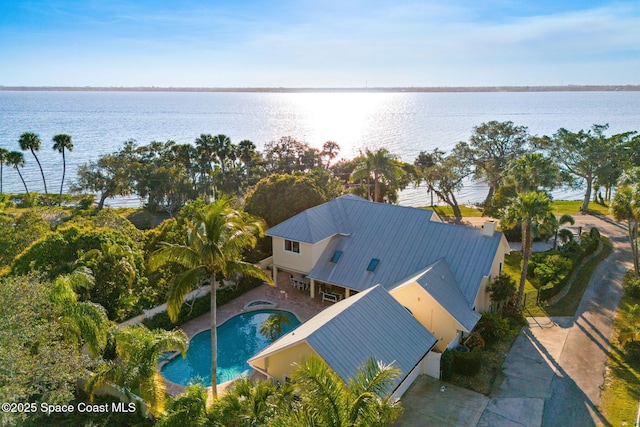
(533, 212)
(136, 366)
(216, 239)
(379, 165)
(3, 159)
(82, 322)
(189, 408)
(325, 400)
(534, 172)
(624, 207)
(30, 141)
(16, 159)
(249, 403)
(62, 142)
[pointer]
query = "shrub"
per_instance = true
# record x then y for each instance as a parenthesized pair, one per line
(632, 352)
(467, 363)
(492, 327)
(632, 286)
(474, 340)
(446, 365)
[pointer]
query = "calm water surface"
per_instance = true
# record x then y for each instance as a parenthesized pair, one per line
(405, 123)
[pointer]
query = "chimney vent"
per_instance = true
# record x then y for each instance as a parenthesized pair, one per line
(488, 228)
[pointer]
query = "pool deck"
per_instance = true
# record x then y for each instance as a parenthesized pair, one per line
(285, 296)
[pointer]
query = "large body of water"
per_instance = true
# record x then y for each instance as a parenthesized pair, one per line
(405, 123)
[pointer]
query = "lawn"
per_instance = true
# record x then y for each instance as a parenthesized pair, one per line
(572, 207)
(568, 305)
(619, 399)
(447, 211)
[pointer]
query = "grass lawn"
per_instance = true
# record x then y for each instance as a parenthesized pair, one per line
(572, 207)
(447, 211)
(566, 306)
(619, 399)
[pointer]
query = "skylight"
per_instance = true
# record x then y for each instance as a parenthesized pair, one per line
(336, 256)
(373, 264)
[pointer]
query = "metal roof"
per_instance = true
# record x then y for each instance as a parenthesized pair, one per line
(406, 241)
(369, 324)
(439, 282)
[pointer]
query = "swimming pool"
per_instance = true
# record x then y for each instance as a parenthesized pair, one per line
(239, 339)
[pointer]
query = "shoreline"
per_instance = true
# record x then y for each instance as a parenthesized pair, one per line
(399, 89)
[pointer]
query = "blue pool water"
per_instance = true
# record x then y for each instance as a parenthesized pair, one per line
(239, 339)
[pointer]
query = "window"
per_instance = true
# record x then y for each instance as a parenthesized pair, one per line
(373, 264)
(336, 256)
(292, 246)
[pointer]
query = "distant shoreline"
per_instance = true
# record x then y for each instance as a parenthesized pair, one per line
(567, 88)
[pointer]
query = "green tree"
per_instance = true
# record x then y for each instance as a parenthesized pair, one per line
(280, 197)
(534, 213)
(3, 159)
(501, 290)
(18, 233)
(584, 154)
(534, 172)
(189, 408)
(325, 400)
(444, 175)
(62, 143)
(626, 207)
(249, 403)
(16, 160)
(136, 366)
(492, 148)
(37, 364)
(108, 176)
(384, 169)
(217, 237)
(30, 141)
(330, 150)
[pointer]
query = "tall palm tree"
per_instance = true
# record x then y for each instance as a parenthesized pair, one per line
(325, 400)
(30, 141)
(136, 366)
(624, 207)
(82, 322)
(189, 408)
(3, 159)
(62, 142)
(217, 237)
(533, 212)
(16, 159)
(379, 165)
(534, 172)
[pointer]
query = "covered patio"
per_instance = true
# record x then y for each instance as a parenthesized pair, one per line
(319, 291)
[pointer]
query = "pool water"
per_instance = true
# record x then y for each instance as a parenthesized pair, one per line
(239, 339)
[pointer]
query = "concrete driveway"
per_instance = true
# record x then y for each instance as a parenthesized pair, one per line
(554, 372)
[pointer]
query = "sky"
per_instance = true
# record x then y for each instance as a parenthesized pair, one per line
(319, 43)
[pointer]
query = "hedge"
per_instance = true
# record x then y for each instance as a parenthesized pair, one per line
(467, 363)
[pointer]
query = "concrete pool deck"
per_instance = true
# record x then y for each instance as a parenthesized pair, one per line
(283, 294)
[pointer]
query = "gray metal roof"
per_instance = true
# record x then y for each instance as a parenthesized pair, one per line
(439, 282)
(369, 324)
(406, 241)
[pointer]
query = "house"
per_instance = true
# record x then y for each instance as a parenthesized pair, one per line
(346, 334)
(350, 244)
(437, 273)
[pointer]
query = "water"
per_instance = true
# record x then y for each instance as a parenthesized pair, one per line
(239, 339)
(405, 123)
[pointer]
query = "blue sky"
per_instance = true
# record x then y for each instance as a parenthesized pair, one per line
(309, 43)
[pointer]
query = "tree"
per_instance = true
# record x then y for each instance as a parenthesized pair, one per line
(280, 197)
(216, 239)
(62, 142)
(626, 207)
(3, 159)
(444, 175)
(30, 141)
(81, 322)
(37, 364)
(330, 150)
(136, 367)
(492, 148)
(533, 212)
(534, 172)
(584, 154)
(189, 408)
(108, 176)
(16, 160)
(249, 403)
(325, 400)
(501, 290)
(383, 168)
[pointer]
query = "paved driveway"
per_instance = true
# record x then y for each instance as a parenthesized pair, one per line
(554, 373)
